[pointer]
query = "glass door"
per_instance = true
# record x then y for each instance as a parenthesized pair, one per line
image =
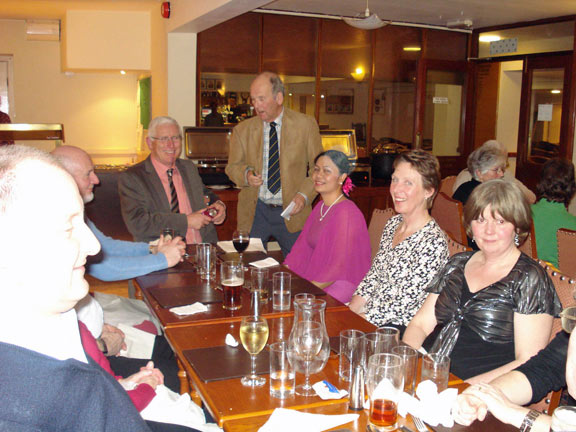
(544, 108)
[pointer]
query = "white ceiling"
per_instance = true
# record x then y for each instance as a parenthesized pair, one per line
(483, 13)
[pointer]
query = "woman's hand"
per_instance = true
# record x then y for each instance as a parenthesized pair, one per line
(481, 397)
(357, 304)
(147, 375)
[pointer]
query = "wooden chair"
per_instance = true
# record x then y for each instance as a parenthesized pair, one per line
(529, 245)
(376, 226)
(447, 185)
(448, 214)
(565, 290)
(454, 247)
(566, 251)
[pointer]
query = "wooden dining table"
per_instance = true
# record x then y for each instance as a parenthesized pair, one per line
(234, 407)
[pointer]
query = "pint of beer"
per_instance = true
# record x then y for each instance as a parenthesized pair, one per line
(232, 280)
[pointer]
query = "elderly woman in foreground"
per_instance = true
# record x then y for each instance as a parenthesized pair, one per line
(412, 250)
(489, 310)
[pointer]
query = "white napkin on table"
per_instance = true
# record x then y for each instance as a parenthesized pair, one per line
(189, 309)
(268, 262)
(430, 406)
(287, 420)
(255, 245)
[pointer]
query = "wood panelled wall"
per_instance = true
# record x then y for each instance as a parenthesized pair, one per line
(322, 48)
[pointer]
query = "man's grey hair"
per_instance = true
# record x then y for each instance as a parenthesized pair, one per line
(485, 158)
(11, 157)
(275, 82)
(159, 121)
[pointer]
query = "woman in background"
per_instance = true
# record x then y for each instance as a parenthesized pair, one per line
(412, 249)
(333, 249)
(555, 191)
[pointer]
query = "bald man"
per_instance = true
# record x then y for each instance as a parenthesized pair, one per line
(271, 159)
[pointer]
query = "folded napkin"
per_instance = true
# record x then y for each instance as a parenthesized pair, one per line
(286, 213)
(139, 343)
(189, 309)
(287, 420)
(268, 262)
(430, 407)
(255, 245)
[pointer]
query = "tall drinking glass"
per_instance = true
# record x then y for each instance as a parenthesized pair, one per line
(384, 382)
(254, 335)
(307, 342)
(232, 280)
(389, 338)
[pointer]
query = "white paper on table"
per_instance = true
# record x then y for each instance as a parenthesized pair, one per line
(189, 309)
(268, 262)
(288, 420)
(286, 213)
(429, 406)
(255, 245)
(139, 343)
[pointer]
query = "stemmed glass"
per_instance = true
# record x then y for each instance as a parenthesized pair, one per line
(254, 335)
(240, 240)
(308, 338)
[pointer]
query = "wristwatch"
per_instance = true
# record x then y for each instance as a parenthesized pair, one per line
(528, 421)
(102, 346)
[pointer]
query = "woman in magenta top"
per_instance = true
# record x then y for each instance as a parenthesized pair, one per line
(333, 249)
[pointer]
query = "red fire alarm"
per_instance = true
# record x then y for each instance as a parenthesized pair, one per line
(165, 9)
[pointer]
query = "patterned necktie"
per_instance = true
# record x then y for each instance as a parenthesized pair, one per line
(273, 161)
(174, 206)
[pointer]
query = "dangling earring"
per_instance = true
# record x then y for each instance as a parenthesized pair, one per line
(516, 239)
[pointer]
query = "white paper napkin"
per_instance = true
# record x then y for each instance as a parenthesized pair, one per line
(430, 407)
(268, 262)
(139, 343)
(255, 245)
(286, 213)
(189, 309)
(287, 420)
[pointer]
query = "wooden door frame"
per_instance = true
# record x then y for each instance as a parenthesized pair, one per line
(526, 168)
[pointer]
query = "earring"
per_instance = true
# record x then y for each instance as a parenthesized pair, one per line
(473, 240)
(516, 240)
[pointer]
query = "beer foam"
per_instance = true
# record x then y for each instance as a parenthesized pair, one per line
(233, 282)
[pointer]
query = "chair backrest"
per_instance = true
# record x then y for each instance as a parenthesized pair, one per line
(565, 290)
(447, 185)
(566, 251)
(454, 247)
(448, 214)
(529, 246)
(376, 226)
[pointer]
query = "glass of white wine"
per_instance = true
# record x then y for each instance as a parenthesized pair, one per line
(254, 335)
(568, 316)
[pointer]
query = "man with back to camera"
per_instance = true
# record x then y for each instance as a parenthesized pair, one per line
(271, 156)
(167, 192)
(119, 260)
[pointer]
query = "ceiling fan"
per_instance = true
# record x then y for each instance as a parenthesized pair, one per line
(369, 22)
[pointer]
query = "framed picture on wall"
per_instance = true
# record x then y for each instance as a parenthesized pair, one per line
(202, 84)
(340, 102)
(210, 84)
(219, 84)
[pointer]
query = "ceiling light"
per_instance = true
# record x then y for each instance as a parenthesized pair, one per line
(412, 48)
(489, 38)
(556, 91)
(358, 74)
(368, 22)
(122, 72)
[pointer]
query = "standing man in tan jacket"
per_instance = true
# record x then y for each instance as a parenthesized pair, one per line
(271, 160)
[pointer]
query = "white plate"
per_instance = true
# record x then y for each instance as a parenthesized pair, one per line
(218, 187)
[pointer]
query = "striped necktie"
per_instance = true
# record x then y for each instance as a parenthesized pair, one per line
(273, 161)
(174, 206)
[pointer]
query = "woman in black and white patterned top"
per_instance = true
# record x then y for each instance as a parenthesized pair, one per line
(412, 250)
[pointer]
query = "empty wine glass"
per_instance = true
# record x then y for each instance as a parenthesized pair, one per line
(307, 338)
(254, 335)
(240, 240)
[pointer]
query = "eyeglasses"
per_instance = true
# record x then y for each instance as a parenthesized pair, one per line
(499, 170)
(166, 139)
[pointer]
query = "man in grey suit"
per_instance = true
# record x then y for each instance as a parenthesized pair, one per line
(167, 192)
(271, 159)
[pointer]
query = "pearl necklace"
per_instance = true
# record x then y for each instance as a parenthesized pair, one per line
(323, 215)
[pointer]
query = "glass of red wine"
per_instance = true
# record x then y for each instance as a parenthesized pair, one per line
(240, 240)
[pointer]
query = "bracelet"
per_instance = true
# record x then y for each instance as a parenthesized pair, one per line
(528, 421)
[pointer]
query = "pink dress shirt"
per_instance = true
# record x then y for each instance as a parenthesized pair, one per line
(192, 235)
